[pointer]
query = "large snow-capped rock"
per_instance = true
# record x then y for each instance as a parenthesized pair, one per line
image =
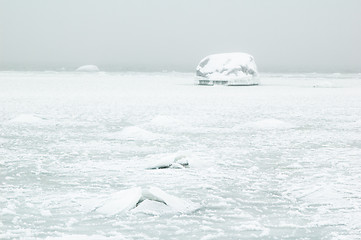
(88, 68)
(227, 68)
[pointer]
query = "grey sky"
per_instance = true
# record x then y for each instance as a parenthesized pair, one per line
(282, 35)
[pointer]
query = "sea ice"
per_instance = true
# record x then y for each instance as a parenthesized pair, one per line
(246, 166)
(227, 68)
(269, 123)
(165, 121)
(88, 68)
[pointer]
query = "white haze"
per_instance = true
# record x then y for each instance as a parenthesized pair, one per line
(158, 35)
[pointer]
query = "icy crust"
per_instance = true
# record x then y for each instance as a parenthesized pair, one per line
(232, 67)
(88, 68)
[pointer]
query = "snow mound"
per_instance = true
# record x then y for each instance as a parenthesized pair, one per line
(227, 68)
(148, 201)
(269, 123)
(134, 133)
(26, 119)
(88, 68)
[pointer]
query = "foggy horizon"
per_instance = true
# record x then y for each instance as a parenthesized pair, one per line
(283, 36)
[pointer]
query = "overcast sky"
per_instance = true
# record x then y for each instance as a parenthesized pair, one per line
(282, 35)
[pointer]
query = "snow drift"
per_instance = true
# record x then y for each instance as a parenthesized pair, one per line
(88, 68)
(227, 69)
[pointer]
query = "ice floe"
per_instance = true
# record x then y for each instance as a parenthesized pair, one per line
(227, 68)
(148, 201)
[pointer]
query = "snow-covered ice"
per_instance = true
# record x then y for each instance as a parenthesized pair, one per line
(269, 123)
(227, 68)
(134, 133)
(26, 119)
(276, 161)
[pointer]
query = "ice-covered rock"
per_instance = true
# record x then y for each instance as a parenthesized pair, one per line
(175, 203)
(88, 68)
(160, 161)
(152, 208)
(149, 201)
(121, 201)
(228, 69)
(179, 160)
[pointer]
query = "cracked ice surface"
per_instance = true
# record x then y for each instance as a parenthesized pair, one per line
(281, 160)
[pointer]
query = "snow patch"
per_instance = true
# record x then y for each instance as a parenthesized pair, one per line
(26, 119)
(165, 121)
(269, 123)
(45, 213)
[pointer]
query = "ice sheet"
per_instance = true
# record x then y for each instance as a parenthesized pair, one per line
(280, 159)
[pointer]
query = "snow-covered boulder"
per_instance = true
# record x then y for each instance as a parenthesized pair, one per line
(228, 69)
(121, 201)
(152, 201)
(88, 68)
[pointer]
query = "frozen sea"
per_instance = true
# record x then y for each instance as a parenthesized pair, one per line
(277, 161)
